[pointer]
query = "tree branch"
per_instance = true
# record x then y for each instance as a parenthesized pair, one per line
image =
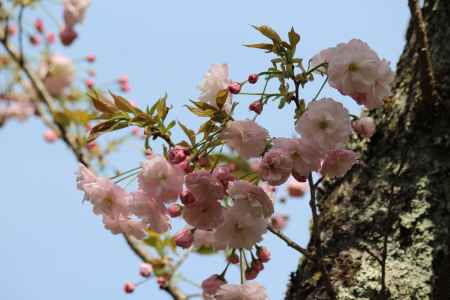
(290, 242)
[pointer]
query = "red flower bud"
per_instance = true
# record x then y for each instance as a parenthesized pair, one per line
(252, 78)
(187, 197)
(91, 58)
(39, 25)
(263, 254)
(234, 87)
(67, 36)
(129, 287)
(175, 210)
(256, 106)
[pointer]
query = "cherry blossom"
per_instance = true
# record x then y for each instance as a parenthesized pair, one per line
(245, 137)
(338, 162)
(119, 224)
(240, 229)
(204, 214)
(184, 238)
(275, 167)
(152, 212)
(247, 291)
(204, 186)
(160, 180)
(206, 238)
(365, 127)
(214, 81)
(74, 11)
(296, 188)
(58, 73)
(211, 284)
(251, 198)
(325, 124)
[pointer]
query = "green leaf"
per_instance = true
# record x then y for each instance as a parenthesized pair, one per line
(162, 108)
(122, 104)
(264, 46)
(268, 32)
(107, 126)
(189, 133)
(102, 104)
(294, 37)
(222, 97)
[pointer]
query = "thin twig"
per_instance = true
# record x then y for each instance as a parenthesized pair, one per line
(20, 35)
(290, 242)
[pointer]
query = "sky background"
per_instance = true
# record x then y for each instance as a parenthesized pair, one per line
(52, 246)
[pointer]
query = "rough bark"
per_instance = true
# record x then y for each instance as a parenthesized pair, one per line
(385, 225)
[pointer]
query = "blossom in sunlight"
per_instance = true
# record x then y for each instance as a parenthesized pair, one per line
(251, 198)
(214, 81)
(204, 186)
(240, 229)
(152, 212)
(275, 167)
(204, 214)
(296, 188)
(247, 291)
(160, 179)
(119, 224)
(325, 124)
(74, 11)
(106, 197)
(355, 69)
(365, 127)
(206, 238)
(305, 157)
(245, 137)
(338, 162)
(211, 284)
(58, 73)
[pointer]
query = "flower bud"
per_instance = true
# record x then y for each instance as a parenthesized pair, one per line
(39, 25)
(50, 136)
(253, 78)
(89, 83)
(50, 38)
(175, 210)
(279, 222)
(145, 270)
(161, 281)
(125, 87)
(35, 40)
(251, 274)
(177, 154)
(11, 29)
(123, 79)
(91, 146)
(263, 254)
(233, 258)
(67, 36)
(257, 265)
(364, 127)
(223, 173)
(91, 58)
(256, 106)
(234, 87)
(297, 188)
(184, 238)
(129, 287)
(187, 197)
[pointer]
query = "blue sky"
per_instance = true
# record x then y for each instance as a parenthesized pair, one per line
(52, 246)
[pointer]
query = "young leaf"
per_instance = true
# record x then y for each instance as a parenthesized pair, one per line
(268, 32)
(264, 46)
(102, 104)
(294, 37)
(221, 97)
(123, 104)
(189, 133)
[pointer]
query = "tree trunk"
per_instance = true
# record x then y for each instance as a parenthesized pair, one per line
(385, 225)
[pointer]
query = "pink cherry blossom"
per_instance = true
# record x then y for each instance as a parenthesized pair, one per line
(296, 188)
(214, 81)
(206, 238)
(353, 67)
(245, 137)
(240, 229)
(204, 214)
(58, 73)
(129, 287)
(152, 212)
(184, 238)
(74, 11)
(381, 87)
(107, 198)
(160, 179)
(177, 154)
(338, 162)
(324, 56)
(251, 198)
(325, 124)
(21, 110)
(247, 291)
(365, 127)
(223, 173)
(119, 224)
(275, 167)
(211, 284)
(305, 156)
(204, 186)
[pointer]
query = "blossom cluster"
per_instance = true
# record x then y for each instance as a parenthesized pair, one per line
(222, 209)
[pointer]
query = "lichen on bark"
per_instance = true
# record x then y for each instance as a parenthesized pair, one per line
(396, 204)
